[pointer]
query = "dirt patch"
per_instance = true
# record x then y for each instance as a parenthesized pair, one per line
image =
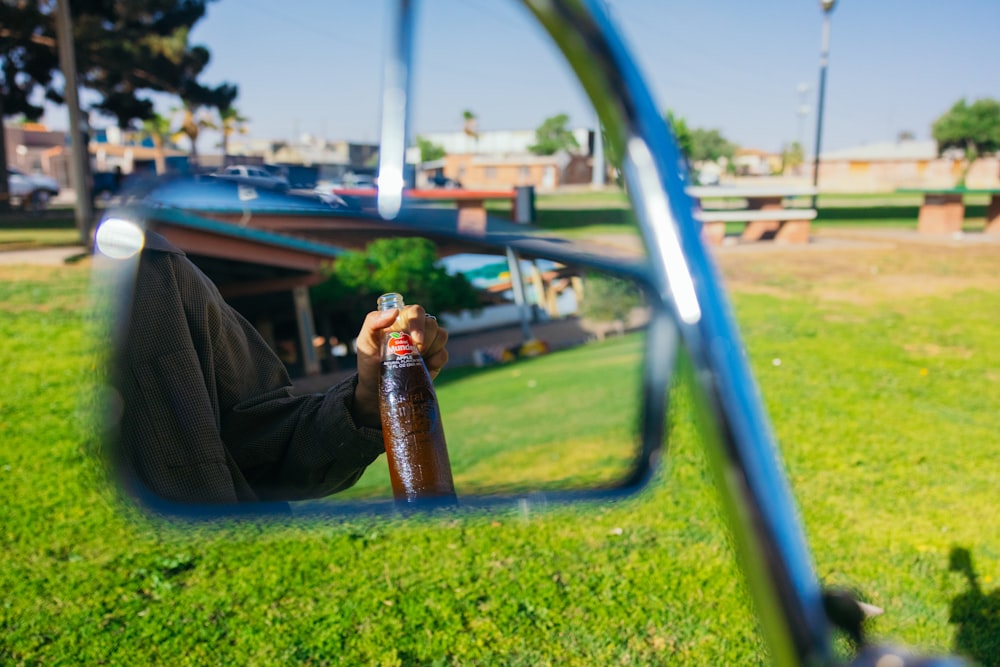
(864, 268)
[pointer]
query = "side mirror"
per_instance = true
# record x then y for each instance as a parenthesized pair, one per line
(234, 378)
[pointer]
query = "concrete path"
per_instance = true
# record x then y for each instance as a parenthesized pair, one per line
(46, 256)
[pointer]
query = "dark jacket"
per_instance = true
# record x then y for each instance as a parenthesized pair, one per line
(208, 414)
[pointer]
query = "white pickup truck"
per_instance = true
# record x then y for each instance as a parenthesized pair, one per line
(30, 191)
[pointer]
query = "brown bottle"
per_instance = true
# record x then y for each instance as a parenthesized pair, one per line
(411, 419)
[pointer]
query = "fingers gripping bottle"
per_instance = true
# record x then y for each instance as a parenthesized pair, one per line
(411, 419)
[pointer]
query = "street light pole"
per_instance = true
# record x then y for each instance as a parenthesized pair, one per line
(824, 56)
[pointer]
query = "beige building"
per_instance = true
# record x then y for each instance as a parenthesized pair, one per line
(501, 160)
(886, 166)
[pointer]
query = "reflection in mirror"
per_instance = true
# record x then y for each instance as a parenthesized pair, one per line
(247, 366)
(246, 359)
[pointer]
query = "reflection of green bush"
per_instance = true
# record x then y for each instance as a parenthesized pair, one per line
(410, 266)
(608, 299)
(891, 467)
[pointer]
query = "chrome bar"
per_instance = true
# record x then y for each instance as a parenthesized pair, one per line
(737, 434)
(395, 106)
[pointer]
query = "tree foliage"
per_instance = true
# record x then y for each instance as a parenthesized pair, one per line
(231, 122)
(28, 60)
(429, 151)
(710, 145)
(553, 136)
(973, 128)
(608, 299)
(697, 144)
(792, 156)
(122, 49)
(685, 142)
(470, 124)
(409, 266)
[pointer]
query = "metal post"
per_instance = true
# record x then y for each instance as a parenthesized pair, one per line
(517, 285)
(395, 107)
(79, 151)
(823, 58)
(597, 177)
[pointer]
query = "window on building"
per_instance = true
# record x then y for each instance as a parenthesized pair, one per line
(491, 173)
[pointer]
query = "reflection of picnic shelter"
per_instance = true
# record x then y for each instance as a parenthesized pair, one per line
(264, 261)
(260, 273)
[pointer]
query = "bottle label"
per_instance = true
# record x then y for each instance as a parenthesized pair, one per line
(401, 345)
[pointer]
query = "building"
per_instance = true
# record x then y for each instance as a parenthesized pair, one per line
(886, 166)
(500, 160)
(31, 147)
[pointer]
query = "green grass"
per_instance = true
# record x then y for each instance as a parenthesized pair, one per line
(528, 425)
(885, 409)
(23, 231)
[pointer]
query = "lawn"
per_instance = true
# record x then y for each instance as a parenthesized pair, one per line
(22, 231)
(879, 367)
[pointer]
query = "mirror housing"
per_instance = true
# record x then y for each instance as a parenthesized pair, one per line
(278, 249)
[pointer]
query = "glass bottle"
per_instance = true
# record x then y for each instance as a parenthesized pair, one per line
(411, 419)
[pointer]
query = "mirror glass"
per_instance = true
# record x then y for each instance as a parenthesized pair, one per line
(541, 393)
(234, 362)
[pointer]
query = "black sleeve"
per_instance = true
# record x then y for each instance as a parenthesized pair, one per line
(217, 419)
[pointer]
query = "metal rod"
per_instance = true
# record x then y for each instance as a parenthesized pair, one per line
(823, 58)
(395, 107)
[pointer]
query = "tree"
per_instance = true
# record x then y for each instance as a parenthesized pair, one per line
(973, 128)
(26, 66)
(552, 136)
(429, 151)
(710, 146)
(194, 119)
(409, 266)
(685, 142)
(792, 156)
(157, 129)
(469, 124)
(122, 49)
(231, 122)
(699, 145)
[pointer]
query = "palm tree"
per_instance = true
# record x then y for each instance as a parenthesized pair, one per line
(157, 128)
(469, 124)
(232, 123)
(194, 118)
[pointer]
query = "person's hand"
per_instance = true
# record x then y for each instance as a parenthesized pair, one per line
(423, 328)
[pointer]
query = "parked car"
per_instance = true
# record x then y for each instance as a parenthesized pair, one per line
(442, 181)
(31, 191)
(255, 176)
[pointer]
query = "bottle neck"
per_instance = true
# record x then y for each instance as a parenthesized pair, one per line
(390, 301)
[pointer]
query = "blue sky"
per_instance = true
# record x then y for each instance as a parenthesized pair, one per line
(314, 66)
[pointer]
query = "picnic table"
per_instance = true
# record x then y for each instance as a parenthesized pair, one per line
(764, 213)
(943, 209)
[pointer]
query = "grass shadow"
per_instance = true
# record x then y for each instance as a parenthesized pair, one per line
(975, 614)
(863, 214)
(569, 218)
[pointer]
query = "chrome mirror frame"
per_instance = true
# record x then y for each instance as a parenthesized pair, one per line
(762, 514)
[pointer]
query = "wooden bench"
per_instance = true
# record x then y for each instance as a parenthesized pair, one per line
(764, 213)
(943, 209)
